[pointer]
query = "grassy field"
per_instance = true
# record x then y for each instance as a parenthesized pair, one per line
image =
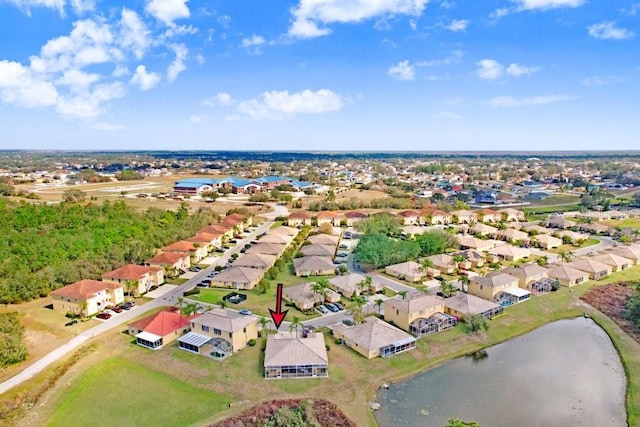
(117, 392)
(568, 248)
(353, 380)
(624, 223)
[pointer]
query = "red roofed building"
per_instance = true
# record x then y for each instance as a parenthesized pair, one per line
(299, 218)
(143, 275)
(329, 217)
(87, 297)
(353, 217)
(178, 260)
(196, 251)
(409, 217)
(210, 241)
(217, 229)
(160, 328)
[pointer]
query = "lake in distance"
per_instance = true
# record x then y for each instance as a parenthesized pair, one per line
(564, 374)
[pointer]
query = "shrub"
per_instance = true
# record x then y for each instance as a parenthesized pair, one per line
(251, 342)
(194, 291)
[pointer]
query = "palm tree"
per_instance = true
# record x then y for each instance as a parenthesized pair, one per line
(321, 287)
(465, 282)
(543, 260)
(180, 302)
(223, 303)
(423, 288)
(131, 286)
(379, 303)
(565, 255)
(83, 305)
(263, 325)
(365, 283)
(425, 264)
(354, 307)
(294, 324)
(448, 289)
(189, 309)
(403, 293)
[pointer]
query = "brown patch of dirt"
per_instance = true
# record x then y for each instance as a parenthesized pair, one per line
(611, 299)
(324, 412)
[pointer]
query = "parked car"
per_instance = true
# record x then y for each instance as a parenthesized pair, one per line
(117, 309)
(127, 305)
(245, 312)
(103, 316)
(332, 307)
(71, 322)
(207, 281)
(202, 285)
(348, 322)
(340, 306)
(322, 309)
(342, 255)
(343, 246)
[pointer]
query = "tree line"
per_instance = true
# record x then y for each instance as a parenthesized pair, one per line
(50, 246)
(12, 346)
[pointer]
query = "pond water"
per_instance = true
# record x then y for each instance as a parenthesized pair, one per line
(566, 373)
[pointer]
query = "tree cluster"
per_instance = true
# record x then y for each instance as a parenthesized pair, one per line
(12, 346)
(49, 246)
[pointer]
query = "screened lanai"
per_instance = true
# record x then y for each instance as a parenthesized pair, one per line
(435, 323)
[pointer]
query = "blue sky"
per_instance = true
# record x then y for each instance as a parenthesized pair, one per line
(320, 74)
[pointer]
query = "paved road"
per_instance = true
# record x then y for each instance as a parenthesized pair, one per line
(168, 299)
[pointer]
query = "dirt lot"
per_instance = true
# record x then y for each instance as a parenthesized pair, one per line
(611, 299)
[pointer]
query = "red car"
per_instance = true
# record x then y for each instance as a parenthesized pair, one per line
(117, 309)
(104, 316)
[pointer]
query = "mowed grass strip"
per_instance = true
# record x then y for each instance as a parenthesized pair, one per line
(118, 392)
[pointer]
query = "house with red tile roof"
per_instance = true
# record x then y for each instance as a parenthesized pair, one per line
(328, 217)
(177, 260)
(489, 215)
(354, 217)
(183, 246)
(210, 241)
(160, 328)
(144, 276)
(409, 217)
(87, 297)
(298, 219)
(217, 229)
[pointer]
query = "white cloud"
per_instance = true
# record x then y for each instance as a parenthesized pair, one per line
(198, 118)
(222, 99)
(282, 104)
(177, 66)
(632, 10)
(144, 79)
(511, 102)
(518, 70)
(78, 80)
(83, 6)
(92, 103)
(107, 127)
(402, 71)
(311, 17)
(447, 115)
(19, 87)
(600, 81)
(546, 4)
(254, 40)
(134, 34)
(454, 58)
(447, 4)
(489, 69)
(413, 24)
(457, 25)
(26, 5)
(609, 31)
(168, 11)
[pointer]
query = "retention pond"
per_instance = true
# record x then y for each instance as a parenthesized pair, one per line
(566, 373)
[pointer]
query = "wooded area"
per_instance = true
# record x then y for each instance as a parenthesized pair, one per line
(49, 246)
(12, 347)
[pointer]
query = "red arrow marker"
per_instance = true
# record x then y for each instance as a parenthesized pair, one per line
(278, 315)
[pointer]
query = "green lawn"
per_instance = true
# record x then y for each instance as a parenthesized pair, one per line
(117, 392)
(568, 248)
(624, 223)
(258, 302)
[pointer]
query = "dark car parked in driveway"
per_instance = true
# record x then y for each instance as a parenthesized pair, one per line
(71, 323)
(103, 316)
(332, 307)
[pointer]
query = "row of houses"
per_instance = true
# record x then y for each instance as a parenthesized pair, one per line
(237, 185)
(88, 297)
(317, 256)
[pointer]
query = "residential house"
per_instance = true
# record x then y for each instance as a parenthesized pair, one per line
(237, 225)
(227, 232)
(560, 222)
(294, 355)
(328, 217)
(375, 338)
(353, 217)
(305, 298)
(630, 252)
(410, 271)
(210, 241)
(436, 217)
(409, 217)
(318, 250)
(498, 287)
(237, 278)
(261, 261)
(512, 215)
(284, 230)
(418, 314)
(596, 270)
(470, 242)
(160, 328)
(313, 266)
(465, 217)
(511, 235)
(197, 252)
(616, 262)
(534, 229)
(219, 333)
(510, 253)
(545, 241)
(299, 219)
(352, 284)
(568, 276)
(532, 277)
(323, 239)
(595, 227)
(463, 304)
(246, 219)
(572, 236)
(87, 297)
(490, 216)
(179, 261)
(143, 276)
(481, 229)
(443, 262)
(277, 238)
(472, 256)
(267, 248)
